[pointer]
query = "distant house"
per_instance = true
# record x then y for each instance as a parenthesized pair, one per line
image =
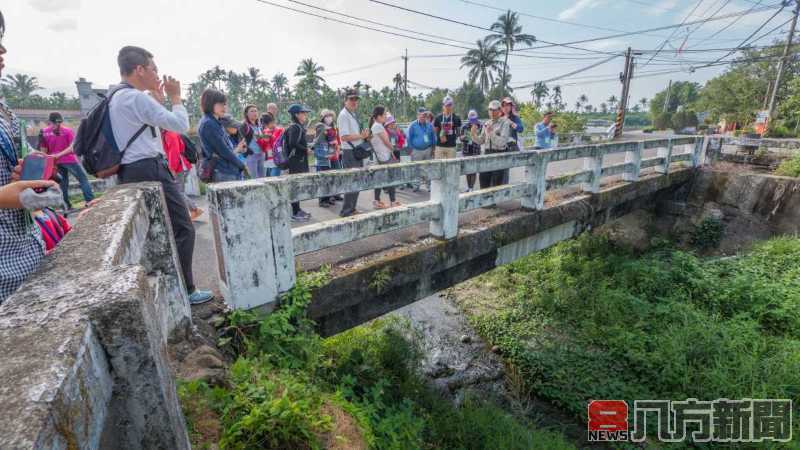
(88, 96)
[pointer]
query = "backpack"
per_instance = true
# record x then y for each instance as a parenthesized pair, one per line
(94, 141)
(280, 154)
(190, 150)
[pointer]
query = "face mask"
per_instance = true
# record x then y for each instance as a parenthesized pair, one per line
(328, 120)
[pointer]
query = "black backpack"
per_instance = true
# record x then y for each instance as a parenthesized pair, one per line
(190, 150)
(94, 141)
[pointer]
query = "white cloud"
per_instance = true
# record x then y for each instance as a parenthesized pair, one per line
(662, 7)
(54, 5)
(66, 24)
(577, 8)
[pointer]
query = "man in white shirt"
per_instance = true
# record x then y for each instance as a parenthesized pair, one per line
(352, 135)
(136, 120)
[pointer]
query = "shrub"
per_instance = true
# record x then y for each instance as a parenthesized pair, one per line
(789, 167)
(707, 234)
(662, 121)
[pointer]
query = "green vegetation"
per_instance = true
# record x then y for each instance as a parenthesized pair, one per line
(589, 320)
(707, 234)
(789, 167)
(360, 389)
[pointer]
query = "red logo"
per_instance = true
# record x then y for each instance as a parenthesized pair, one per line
(608, 415)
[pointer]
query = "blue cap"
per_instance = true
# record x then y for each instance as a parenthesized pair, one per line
(422, 109)
(297, 108)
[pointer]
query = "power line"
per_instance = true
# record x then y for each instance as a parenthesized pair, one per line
(663, 44)
(434, 16)
(591, 66)
(368, 66)
(381, 23)
(665, 27)
(547, 19)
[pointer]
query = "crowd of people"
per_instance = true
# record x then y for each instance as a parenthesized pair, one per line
(146, 113)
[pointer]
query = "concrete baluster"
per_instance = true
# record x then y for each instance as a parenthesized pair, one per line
(595, 164)
(536, 177)
(697, 150)
(444, 191)
(666, 153)
(255, 244)
(635, 158)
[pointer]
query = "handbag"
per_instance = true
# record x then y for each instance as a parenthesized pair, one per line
(362, 151)
(206, 173)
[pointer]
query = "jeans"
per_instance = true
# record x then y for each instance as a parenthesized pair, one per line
(155, 169)
(255, 165)
(74, 168)
(422, 155)
(219, 177)
(351, 198)
(272, 172)
(180, 178)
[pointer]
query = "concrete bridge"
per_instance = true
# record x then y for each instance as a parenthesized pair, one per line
(257, 247)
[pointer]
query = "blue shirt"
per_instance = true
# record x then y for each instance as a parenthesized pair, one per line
(544, 136)
(421, 137)
(216, 142)
(520, 127)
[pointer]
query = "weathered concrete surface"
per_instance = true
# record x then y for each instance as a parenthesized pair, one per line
(84, 340)
(752, 207)
(382, 283)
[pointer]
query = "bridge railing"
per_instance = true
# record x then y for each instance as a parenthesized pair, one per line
(256, 245)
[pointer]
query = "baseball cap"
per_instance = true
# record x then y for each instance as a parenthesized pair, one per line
(472, 116)
(507, 101)
(494, 105)
(55, 117)
(421, 110)
(352, 93)
(447, 101)
(389, 120)
(228, 122)
(296, 108)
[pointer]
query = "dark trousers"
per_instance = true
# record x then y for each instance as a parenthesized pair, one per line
(494, 177)
(155, 169)
(325, 169)
(86, 188)
(351, 198)
(389, 190)
(295, 169)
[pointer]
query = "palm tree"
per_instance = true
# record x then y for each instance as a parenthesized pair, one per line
(482, 62)
(583, 99)
(556, 97)
(309, 72)
(539, 91)
(604, 108)
(612, 102)
(21, 85)
(279, 85)
(578, 106)
(508, 31)
(643, 101)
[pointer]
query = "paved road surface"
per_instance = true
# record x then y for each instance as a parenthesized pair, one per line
(205, 261)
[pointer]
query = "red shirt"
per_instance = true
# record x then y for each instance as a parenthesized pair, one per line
(52, 143)
(175, 148)
(268, 141)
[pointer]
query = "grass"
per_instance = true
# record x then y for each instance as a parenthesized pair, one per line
(360, 389)
(789, 167)
(588, 320)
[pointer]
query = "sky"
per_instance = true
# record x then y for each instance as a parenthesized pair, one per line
(59, 41)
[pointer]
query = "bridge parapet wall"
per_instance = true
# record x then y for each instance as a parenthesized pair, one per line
(84, 340)
(256, 245)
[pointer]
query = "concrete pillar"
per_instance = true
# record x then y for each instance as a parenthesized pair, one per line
(445, 192)
(253, 236)
(536, 177)
(595, 164)
(666, 153)
(697, 151)
(634, 157)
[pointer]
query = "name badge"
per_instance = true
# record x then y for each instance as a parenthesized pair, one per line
(426, 138)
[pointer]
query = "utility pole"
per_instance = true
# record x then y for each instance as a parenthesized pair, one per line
(623, 101)
(405, 84)
(666, 100)
(776, 87)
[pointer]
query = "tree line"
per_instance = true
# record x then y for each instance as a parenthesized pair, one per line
(19, 91)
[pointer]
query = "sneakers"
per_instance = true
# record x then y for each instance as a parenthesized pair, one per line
(301, 216)
(199, 297)
(396, 204)
(325, 204)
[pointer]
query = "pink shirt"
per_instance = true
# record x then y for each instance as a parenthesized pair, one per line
(53, 143)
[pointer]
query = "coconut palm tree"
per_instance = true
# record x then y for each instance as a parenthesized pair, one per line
(612, 102)
(539, 91)
(309, 72)
(508, 31)
(21, 85)
(279, 85)
(643, 101)
(483, 61)
(583, 99)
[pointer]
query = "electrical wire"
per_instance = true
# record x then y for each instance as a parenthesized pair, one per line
(663, 44)
(582, 69)
(368, 66)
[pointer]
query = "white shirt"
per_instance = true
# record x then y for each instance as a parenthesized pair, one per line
(347, 124)
(132, 108)
(383, 152)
